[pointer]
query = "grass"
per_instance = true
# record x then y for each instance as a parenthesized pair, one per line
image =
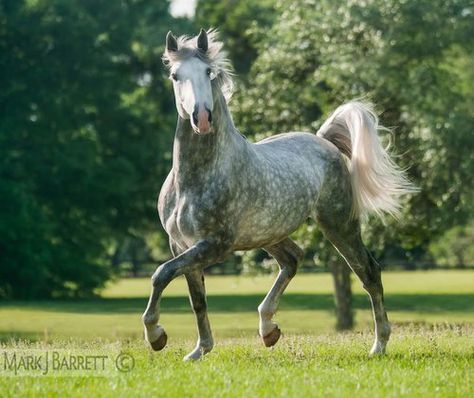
(424, 363)
(431, 352)
(306, 308)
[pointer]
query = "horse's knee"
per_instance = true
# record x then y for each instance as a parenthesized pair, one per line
(370, 275)
(161, 277)
(155, 278)
(372, 283)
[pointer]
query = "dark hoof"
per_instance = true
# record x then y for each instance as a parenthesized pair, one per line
(271, 338)
(159, 344)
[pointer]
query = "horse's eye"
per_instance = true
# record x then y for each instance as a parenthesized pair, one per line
(174, 77)
(208, 72)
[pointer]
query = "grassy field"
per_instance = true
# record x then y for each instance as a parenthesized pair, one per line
(431, 352)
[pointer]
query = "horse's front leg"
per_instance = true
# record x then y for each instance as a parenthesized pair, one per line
(204, 253)
(197, 297)
(288, 255)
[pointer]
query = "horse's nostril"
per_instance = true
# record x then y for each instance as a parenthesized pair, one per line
(195, 117)
(210, 116)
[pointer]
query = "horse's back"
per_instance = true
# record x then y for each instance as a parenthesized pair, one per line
(298, 143)
(298, 153)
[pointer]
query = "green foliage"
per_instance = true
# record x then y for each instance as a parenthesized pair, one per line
(87, 120)
(455, 247)
(413, 59)
(430, 353)
(85, 136)
(242, 24)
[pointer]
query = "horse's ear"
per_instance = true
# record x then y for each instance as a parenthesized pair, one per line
(171, 43)
(202, 40)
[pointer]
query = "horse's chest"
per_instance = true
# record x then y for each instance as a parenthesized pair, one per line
(194, 216)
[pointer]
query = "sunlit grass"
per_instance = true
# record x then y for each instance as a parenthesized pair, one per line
(421, 363)
(394, 282)
(431, 352)
(306, 307)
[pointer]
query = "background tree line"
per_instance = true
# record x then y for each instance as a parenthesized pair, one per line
(87, 122)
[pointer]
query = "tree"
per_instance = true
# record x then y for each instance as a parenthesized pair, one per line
(86, 116)
(455, 247)
(413, 59)
(319, 54)
(241, 23)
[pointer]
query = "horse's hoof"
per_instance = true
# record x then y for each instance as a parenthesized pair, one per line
(271, 338)
(195, 355)
(377, 350)
(160, 343)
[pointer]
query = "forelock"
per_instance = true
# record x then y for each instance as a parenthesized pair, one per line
(215, 57)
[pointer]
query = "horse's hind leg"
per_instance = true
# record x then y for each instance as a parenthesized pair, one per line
(345, 236)
(288, 255)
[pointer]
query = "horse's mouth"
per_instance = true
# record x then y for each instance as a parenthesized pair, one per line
(202, 131)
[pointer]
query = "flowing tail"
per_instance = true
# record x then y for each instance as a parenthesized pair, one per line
(377, 182)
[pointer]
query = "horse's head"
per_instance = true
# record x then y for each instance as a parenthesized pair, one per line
(191, 73)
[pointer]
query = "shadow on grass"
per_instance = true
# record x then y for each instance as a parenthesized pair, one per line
(430, 303)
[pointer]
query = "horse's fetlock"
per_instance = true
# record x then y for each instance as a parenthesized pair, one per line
(206, 345)
(386, 331)
(262, 310)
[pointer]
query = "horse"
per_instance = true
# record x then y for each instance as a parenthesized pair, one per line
(226, 194)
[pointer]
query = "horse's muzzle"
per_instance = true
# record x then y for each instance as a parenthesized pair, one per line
(202, 119)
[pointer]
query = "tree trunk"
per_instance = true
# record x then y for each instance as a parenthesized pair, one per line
(343, 294)
(116, 259)
(460, 257)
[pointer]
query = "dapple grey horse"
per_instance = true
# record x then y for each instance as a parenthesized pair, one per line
(225, 193)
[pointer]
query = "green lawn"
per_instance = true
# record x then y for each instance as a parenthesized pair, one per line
(306, 307)
(431, 352)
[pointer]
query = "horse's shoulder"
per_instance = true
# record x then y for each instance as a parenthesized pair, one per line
(167, 195)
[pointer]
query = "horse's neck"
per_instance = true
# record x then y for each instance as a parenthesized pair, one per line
(195, 155)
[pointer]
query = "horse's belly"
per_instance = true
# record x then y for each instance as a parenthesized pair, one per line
(272, 224)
